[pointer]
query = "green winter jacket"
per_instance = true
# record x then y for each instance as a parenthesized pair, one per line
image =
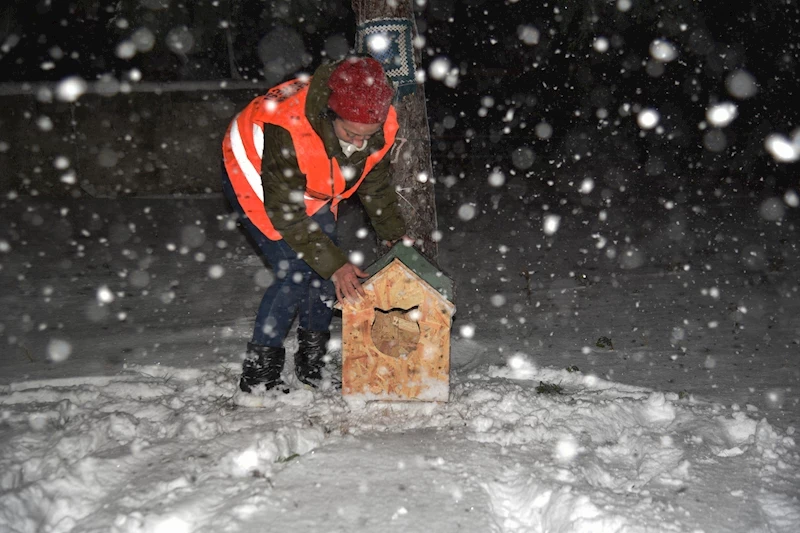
(284, 184)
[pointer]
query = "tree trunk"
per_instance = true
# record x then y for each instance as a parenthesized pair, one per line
(411, 154)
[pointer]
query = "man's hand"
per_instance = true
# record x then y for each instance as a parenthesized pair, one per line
(346, 282)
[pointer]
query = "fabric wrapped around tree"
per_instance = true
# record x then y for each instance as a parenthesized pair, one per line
(388, 40)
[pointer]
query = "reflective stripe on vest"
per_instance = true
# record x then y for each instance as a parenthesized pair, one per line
(243, 147)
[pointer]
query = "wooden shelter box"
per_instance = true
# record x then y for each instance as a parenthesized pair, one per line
(396, 340)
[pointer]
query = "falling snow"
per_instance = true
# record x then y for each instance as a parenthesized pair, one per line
(617, 198)
(662, 50)
(648, 118)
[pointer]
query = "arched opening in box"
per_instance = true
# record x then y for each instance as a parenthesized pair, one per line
(396, 332)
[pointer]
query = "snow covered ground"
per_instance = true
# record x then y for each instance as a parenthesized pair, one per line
(668, 335)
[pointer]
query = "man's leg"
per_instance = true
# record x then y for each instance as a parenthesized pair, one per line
(316, 312)
(265, 353)
(281, 300)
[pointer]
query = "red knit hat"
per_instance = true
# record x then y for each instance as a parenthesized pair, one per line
(360, 91)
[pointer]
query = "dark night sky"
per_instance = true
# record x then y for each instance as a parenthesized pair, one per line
(561, 80)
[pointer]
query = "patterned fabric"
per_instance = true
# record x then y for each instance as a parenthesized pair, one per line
(389, 41)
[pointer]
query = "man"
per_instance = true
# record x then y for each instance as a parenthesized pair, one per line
(290, 157)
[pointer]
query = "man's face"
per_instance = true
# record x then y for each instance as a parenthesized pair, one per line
(354, 132)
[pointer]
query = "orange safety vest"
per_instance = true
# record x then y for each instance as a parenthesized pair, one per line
(243, 146)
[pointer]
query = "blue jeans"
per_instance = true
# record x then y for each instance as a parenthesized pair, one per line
(297, 288)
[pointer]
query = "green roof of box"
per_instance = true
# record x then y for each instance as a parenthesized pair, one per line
(418, 264)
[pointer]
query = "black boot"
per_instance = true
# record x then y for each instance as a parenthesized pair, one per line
(310, 356)
(263, 364)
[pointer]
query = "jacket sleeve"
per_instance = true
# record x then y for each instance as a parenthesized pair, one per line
(379, 199)
(284, 186)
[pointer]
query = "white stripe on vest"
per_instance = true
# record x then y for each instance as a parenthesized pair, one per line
(253, 176)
